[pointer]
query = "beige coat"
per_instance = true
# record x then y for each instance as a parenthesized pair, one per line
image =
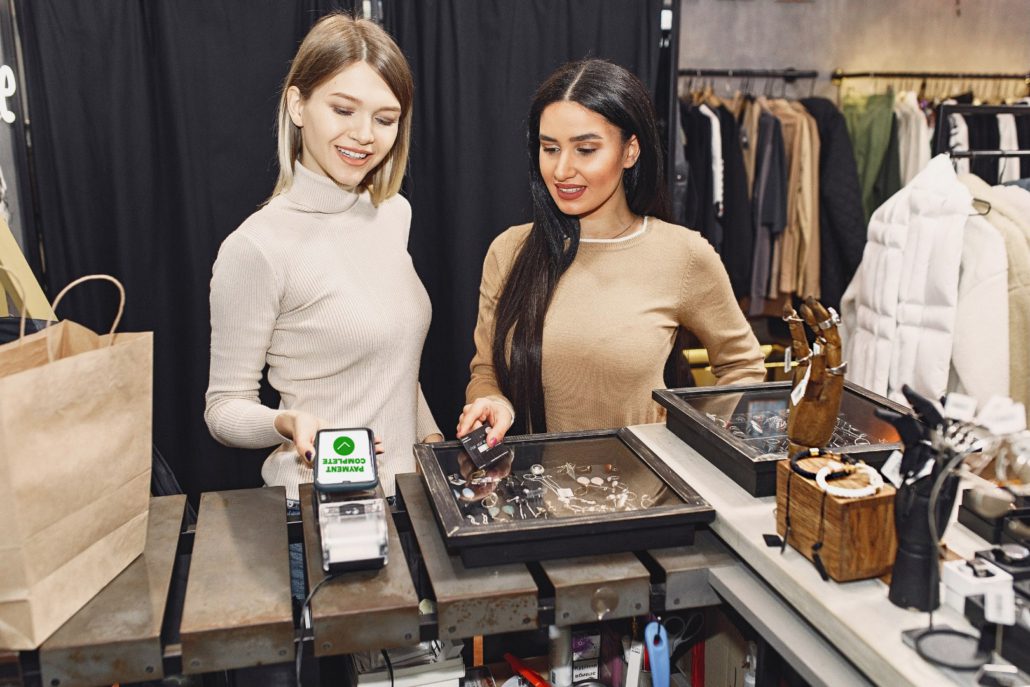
(1010, 215)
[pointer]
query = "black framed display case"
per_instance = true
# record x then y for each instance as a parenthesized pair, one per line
(559, 495)
(742, 430)
(1013, 527)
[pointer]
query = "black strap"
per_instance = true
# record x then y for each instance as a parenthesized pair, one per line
(786, 516)
(808, 474)
(816, 547)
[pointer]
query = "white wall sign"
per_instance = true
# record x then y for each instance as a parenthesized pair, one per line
(7, 89)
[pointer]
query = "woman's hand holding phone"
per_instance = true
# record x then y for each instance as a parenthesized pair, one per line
(301, 428)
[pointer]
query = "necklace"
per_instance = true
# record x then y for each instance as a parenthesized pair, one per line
(624, 230)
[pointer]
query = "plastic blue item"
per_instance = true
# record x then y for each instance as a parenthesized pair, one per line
(657, 641)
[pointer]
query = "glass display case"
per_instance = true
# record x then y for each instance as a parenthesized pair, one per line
(559, 495)
(742, 430)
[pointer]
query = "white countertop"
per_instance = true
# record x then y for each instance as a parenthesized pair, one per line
(856, 617)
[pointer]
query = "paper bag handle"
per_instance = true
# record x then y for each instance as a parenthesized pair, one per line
(16, 283)
(80, 280)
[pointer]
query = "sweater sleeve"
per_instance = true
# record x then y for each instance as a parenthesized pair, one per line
(244, 308)
(709, 310)
(424, 422)
(484, 379)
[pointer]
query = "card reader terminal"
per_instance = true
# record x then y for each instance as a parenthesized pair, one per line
(350, 513)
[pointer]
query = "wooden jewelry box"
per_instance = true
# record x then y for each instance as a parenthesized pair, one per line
(857, 534)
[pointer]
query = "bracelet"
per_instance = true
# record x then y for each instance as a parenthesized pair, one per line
(875, 482)
(815, 453)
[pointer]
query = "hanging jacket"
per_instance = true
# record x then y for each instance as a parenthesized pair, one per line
(1010, 214)
(984, 135)
(899, 310)
(737, 227)
(869, 120)
(768, 204)
(913, 136)
(1023, 136)
(1008, 139)
(842, 228)
(980, 347)
(700, 207)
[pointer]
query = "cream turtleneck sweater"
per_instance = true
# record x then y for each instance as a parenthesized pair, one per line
(319, 285)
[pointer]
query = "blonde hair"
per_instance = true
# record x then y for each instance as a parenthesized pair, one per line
(337, 41)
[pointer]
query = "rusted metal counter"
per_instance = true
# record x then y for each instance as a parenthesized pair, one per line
(236, 610)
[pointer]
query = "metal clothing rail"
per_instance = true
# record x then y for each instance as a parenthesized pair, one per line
(839, 75)
(989, 153)
(789, 75)
(941, 136)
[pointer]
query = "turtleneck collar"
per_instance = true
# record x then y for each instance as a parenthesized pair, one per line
(319, 193)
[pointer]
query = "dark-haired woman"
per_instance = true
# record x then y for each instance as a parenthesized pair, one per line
(578, 311)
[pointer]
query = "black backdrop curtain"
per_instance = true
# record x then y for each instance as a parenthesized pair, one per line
(153, 137)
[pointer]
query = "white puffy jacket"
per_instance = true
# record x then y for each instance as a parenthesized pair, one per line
(900, 311)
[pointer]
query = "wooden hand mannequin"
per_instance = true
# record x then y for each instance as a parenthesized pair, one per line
(818, 378)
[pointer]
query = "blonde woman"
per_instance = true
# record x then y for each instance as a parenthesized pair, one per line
(318, 284)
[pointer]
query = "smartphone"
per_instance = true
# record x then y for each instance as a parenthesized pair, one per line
(345, 460)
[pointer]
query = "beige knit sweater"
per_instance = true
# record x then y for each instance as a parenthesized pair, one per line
(612, 323)
(319, 285)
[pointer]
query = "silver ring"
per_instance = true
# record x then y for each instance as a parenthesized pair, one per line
(832, 321)
(838, 370)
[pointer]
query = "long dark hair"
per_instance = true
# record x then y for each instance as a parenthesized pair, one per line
(617, 95)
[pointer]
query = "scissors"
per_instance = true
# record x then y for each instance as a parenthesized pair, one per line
(681, 633)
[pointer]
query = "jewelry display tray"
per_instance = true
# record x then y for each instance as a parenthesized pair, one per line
(742, 429)
(559, 495)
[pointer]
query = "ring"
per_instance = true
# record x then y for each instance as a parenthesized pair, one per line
(832, 321)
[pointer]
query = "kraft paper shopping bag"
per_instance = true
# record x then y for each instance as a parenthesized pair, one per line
(75, 457)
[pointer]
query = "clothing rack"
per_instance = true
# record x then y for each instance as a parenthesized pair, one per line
(839, 75)
(790, 75)
(1005, 84)
(941, 136)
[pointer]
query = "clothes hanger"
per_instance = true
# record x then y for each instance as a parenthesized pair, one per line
(983, 202)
